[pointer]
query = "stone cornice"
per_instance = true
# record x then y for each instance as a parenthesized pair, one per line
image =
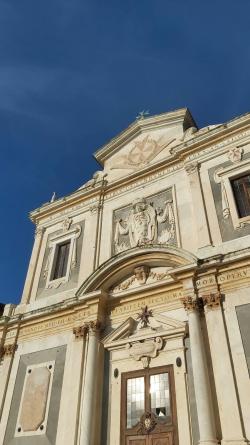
(204, 144)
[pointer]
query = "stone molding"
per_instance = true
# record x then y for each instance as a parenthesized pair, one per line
(212, 300)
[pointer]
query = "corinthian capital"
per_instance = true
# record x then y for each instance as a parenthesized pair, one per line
(80, 331)
(94, 326)
(39, 231)
(212, 301)
(8, 350)
(192, 168)
(190, 304)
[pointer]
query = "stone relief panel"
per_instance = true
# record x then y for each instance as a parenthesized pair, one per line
(142, 275)
(147, 221)
(34, 410)
(141, 151)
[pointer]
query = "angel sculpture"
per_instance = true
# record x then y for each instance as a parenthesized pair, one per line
(142, 225)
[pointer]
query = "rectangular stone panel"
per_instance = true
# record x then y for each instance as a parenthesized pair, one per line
(38, 386)
(243, 315)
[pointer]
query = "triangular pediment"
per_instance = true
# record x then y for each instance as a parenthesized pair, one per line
(147, 140)
(132, 331)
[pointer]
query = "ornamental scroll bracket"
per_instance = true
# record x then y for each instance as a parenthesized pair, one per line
(145, 351)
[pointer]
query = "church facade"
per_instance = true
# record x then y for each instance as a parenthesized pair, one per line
(134, 324)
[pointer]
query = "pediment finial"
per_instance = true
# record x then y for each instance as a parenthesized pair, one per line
(53, 197)
(144, 316)
(142, 114)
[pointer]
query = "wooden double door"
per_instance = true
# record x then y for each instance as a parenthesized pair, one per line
(148, 407)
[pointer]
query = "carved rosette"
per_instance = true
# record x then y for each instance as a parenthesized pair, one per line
(190, 304)
(212, 301)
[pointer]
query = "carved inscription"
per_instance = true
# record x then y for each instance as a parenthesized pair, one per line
(234, 275)
(150, 301)
(42, 328)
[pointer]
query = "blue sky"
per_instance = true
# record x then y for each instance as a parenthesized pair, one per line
(73, 73)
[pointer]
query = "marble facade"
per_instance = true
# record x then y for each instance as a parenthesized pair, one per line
(156, 228)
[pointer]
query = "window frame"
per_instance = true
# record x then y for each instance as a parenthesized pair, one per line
(170, 428)
(224, 176)
(56, 259)
(71, 236)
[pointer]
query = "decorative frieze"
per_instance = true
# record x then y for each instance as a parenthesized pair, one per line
(142, 275)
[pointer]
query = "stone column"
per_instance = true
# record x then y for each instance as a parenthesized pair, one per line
(32, 266)
(89, 422)
(201, 221)
(200, 372)
(232, 433)
(6, 358)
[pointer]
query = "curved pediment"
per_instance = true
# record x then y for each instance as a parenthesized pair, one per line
(153, 261)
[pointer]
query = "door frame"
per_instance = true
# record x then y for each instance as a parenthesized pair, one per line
(173, 428)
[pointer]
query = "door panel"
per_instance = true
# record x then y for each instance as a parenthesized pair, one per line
(161, 439)
(137, 440)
